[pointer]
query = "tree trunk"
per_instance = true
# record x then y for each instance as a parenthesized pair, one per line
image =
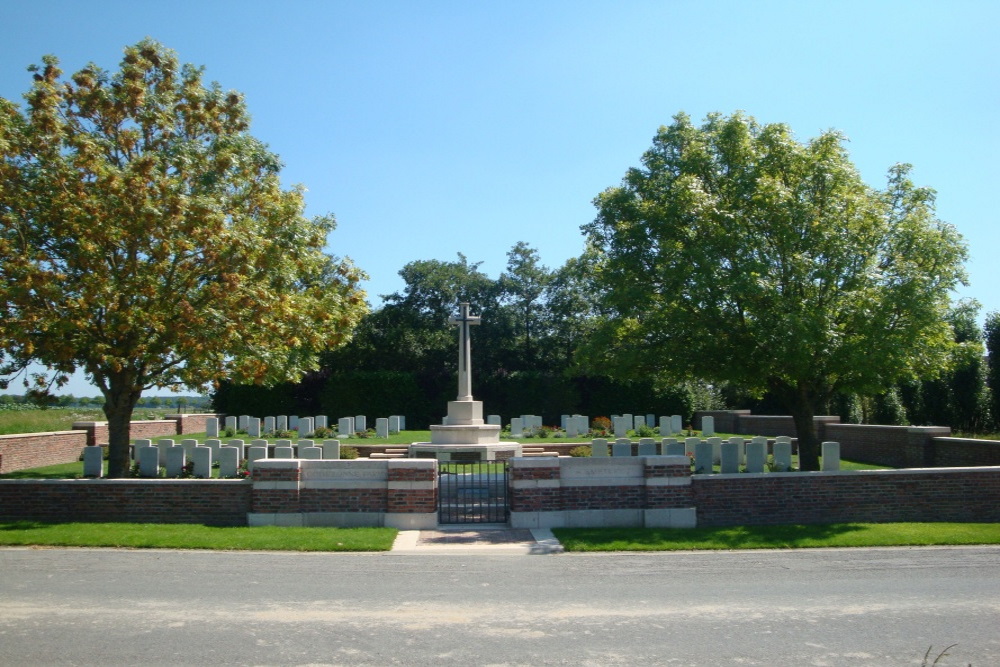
(801, 402)
(119, 402)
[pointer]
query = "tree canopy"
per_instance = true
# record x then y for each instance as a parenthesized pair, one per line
(146, 238)
(736, 253)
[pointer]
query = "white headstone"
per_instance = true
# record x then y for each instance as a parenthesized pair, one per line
(671, 447)
(622, 447)
(162, 446)
(730, 458)
(284, 451)
(214, 445)
(306, 428)
(707, 426)
(231, 423)
(229, 461)
(331, 449)
(360, 423)
(235, 442)
(268, 424)
(703, 457)
(212, 427)
(647, 447)
(202, 458)
(188, 444)
(281, 423)
(253, 427)
(175, 461)
(254, 454)
(516, 427)
(345, 427)
(322, 421)
(665, 430)
(830, 451)
(293, 422)
(638, 422)
(572, 427)
(93, 461)
(651, 421)
(493, 420)
(716, 449)
(382, 427)
(782, 455)
(139, 444)
(149, 461)
(756, 456)
(621, 426)
(599, 447)
(243, 421)
(676, 424)
(310, 452)
(394, 425)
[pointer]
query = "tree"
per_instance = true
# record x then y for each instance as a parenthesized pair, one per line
(524, 284)
(991, 334)
(737, 254)
(145, 237)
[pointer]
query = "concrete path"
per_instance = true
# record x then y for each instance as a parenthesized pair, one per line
(493, 539)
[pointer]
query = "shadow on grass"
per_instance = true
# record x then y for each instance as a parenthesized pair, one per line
(730, 537)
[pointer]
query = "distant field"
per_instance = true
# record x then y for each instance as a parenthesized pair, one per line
(61, 419)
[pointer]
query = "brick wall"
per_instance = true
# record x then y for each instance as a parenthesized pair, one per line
(212, 502)
(34, 450)
(872, 496)
(959, 452)
(560, 492)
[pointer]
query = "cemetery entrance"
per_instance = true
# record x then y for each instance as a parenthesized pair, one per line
(472, 492)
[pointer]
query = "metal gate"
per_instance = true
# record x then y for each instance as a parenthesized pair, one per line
(474, 492)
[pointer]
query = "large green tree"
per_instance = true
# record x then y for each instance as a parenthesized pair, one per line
(145, 237)
(737, 253)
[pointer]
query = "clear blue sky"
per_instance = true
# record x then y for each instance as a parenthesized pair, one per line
(433, 128)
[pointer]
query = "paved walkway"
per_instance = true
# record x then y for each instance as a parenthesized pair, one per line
(477, 539)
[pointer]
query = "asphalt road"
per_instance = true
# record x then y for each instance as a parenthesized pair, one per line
(810, 607)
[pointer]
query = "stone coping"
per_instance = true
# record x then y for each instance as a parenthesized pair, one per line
(814, 473)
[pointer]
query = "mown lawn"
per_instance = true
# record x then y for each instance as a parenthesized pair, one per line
(778, 537)
(194, 536)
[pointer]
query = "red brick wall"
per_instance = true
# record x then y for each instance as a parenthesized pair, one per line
(960, 452)
(215, 502)
(958, 494)
(969, 495)
(34, 450)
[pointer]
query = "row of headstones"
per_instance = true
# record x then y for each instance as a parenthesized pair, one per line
(174, 457)
(575, 425)
(306, 426)
(729, 454)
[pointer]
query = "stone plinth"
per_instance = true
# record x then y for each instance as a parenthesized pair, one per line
(496, 451)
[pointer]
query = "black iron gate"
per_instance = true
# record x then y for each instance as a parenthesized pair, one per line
(474, 492)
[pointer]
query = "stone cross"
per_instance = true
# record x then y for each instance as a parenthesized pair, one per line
(464, 321)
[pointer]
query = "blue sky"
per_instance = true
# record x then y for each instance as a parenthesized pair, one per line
(435, 128)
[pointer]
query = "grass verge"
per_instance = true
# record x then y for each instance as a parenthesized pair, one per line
(192, 536)
(778, 537)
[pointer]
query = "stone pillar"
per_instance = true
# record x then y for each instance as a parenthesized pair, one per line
(412, 494)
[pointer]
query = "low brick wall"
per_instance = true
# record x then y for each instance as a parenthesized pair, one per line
(871, 496)
(400, 493)
(895, 446)
(211, 502)
(965, 452)
(661, 491)
(33, 450)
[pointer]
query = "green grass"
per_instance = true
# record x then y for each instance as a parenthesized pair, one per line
(778, 537)
(191, 536)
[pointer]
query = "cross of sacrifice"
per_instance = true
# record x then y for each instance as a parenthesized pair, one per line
(464, 321)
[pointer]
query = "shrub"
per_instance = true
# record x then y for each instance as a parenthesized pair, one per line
(348, 453)
(581, 451)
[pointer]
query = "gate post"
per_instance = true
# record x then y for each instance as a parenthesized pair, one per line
(412, 494)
